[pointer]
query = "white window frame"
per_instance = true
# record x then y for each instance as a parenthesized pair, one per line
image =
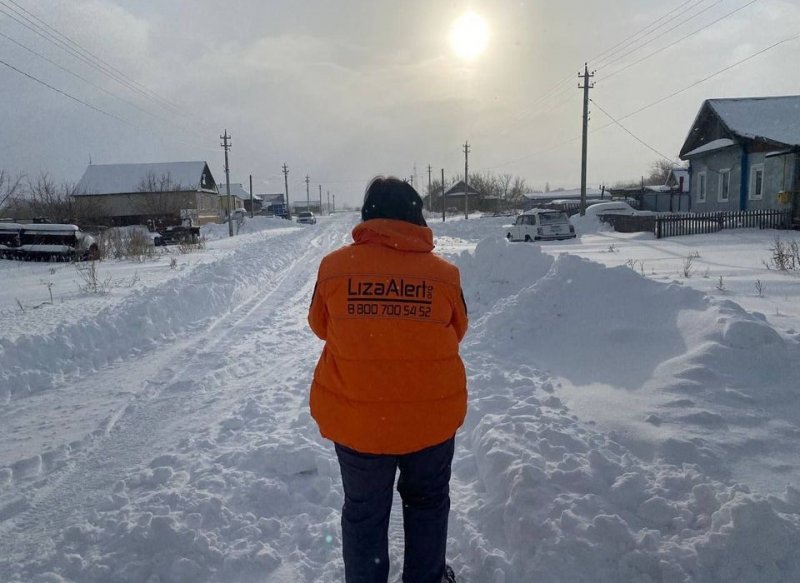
(702, 187)
(722, 174)
(752, 194)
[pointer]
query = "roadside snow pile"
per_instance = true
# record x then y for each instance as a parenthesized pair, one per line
(497, 270)
(213, 231)
(460, 234)
(642, 494)
(33, 363)
(557, 501)
(589, 223)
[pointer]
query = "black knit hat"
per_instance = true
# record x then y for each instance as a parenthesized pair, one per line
(392, 198)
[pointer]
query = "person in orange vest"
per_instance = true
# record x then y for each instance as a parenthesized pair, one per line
(390, 389)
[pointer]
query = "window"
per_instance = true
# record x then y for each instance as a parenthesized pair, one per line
(757, 182)
(724, 192)
(701, 187)
(553, 218)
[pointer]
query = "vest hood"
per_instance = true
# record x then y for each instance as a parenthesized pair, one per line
(394, 234)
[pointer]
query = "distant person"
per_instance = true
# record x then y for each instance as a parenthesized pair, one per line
(390, 388)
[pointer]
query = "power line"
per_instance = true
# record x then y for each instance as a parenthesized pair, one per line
(64, 93)
(650, 105)
(655, 38)
(97, 109)
(22, 12)
(80, 77)
(36, 29)
(631, 134)
(557, 90)
(633, 36)
(107, 92)
(704, 79)
(683, 38)
(92, 61)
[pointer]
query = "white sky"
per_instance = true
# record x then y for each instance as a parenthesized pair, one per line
(346, 89)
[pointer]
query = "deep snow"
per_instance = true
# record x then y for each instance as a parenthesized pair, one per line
(626, 423)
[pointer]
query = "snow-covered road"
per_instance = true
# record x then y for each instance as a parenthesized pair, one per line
(195, 381)
(161, 434)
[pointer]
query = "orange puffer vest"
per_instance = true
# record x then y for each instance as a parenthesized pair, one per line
(390, 379)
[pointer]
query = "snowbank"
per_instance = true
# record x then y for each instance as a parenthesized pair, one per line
(213, 231)
(564, 501)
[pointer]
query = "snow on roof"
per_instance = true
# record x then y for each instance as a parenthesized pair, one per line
(573, 193)
(272, 198)
(237, 190)
(50, 227)
(458, 188)
(772, 118)
(711, 146)
(127, 178)
(675, 176)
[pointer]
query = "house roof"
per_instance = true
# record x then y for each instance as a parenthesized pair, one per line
(272, 198)
(572, 193)
(127, 178)
(710, 147)
(237, 190)
(773, 120)
(458, 188)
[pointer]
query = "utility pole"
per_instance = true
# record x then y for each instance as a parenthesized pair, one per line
(334, 203)
(466, 180)
(251, 197)
(308, 196)
(320, 198)
(329, 201)
(585, 148)
(286, 186)
(444, 216)
(430, 192)
(226, 139)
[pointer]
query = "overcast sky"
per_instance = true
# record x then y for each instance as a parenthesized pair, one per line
(346, 89)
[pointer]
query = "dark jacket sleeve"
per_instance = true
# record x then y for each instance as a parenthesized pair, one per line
(318, 312)
(460, 319)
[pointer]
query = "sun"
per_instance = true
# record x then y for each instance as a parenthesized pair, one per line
(469, 36)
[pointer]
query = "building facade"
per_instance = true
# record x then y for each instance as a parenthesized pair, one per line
(743, 154)
(159, 193)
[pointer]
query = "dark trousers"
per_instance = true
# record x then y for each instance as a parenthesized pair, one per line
(424, 487)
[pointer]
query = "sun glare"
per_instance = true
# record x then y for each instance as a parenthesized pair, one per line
(469, 36)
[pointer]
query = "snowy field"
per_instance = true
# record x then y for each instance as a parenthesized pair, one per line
(631, 419)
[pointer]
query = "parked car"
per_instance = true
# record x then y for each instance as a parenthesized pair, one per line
(306, 218)
(541, 225)
(615, 208)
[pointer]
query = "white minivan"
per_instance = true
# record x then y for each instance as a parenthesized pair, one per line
(541, 225)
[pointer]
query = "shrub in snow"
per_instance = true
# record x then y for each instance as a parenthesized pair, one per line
(785, 256)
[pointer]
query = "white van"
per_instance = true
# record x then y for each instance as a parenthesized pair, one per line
(541, 225)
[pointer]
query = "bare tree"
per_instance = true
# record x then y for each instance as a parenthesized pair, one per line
(158, 194)
(9, 188)
(518, 188)
(659, 171)
(42, 198)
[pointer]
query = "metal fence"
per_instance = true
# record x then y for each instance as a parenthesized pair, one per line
(675, 225)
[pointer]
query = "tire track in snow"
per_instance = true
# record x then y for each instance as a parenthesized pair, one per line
(133, 433)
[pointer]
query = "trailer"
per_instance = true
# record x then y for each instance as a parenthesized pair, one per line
(37, 242)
